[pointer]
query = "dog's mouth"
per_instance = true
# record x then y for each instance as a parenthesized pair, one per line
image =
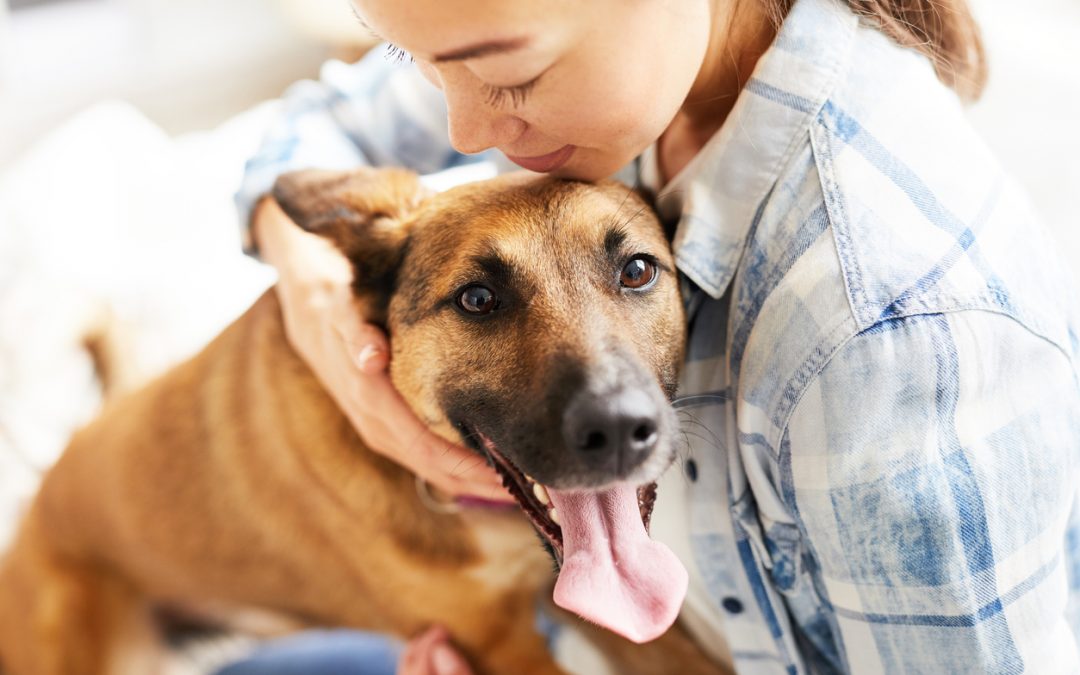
(610, 571)
(533, 497)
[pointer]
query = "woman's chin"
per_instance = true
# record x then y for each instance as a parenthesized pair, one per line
(589, 169)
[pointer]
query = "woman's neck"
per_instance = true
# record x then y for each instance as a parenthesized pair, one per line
(741, 33)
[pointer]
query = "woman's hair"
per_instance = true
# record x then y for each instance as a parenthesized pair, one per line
(943, 30)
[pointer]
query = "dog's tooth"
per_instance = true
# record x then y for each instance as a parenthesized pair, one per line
(554, 515)
(541, 494)
(530, 478)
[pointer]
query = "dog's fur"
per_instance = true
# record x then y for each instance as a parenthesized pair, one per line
(234, 481)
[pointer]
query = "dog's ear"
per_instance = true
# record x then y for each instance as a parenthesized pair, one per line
(365, 213)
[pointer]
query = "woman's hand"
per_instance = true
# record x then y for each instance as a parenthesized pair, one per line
(431, 654)
(350, 358)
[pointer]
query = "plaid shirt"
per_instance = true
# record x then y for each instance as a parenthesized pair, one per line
(881, 404)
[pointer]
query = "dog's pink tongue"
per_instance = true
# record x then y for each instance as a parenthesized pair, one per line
(612, 573)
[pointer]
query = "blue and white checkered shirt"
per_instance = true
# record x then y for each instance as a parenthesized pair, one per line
(881, 400)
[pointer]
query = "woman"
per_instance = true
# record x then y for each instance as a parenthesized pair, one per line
(882, 472)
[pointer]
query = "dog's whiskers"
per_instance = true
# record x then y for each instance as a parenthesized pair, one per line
(453, 472)
(630, 219)
(687, 419)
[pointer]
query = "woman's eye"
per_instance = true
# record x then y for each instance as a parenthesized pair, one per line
(638, 273)
(497, 96)
(478, 300)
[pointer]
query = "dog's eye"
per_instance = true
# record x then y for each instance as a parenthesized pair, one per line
(478, 300)
(638, 273)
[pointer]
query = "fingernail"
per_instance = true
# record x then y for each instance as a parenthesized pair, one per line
(367, 352)
(444, 660)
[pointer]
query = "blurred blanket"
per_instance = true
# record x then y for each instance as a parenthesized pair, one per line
(111, 231)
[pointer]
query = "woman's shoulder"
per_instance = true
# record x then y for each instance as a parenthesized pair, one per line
(924, 217)
(889, 226)
(881, 221)
(926, 220)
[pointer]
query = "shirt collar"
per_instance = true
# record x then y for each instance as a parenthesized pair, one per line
(737, 168)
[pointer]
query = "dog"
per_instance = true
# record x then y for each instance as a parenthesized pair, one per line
(536, 320)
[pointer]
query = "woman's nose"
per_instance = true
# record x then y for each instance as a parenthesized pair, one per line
(475, 124)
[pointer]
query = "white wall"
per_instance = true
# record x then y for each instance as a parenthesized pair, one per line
(1030, 114)
(187, 64)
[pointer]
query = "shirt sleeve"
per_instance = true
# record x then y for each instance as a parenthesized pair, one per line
(933, 472)
(374, 112)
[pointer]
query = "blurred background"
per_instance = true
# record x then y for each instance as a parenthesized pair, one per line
(186, 64)
(124, 127)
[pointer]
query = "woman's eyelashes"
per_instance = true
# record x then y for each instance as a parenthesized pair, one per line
(497, 96)
(397, 54)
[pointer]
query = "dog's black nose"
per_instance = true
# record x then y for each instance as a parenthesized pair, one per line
(614, 432)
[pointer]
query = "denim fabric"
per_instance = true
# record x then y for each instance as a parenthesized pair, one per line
(338, 652)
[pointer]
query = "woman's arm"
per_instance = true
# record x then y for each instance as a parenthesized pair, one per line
(933, 471)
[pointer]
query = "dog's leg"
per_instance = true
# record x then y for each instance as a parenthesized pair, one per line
(63, 617)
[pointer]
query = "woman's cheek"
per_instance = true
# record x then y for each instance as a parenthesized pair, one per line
(626, 100)
(591, 116)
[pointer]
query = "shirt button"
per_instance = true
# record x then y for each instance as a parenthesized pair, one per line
(732, 605)
(691, 470)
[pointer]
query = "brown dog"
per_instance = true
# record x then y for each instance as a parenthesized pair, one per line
(539, 320)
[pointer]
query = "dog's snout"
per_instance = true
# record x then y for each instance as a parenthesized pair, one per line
(612, 433)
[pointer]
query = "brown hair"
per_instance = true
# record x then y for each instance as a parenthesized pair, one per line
(943, 30)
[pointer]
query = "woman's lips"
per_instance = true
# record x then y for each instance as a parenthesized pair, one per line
(544, 163)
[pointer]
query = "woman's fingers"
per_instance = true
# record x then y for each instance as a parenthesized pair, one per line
(445, 660)
(350, 359)
(431, 654)
(459, 471)
(389, 426)
(366, 344)
(372, 358)
(416, 658)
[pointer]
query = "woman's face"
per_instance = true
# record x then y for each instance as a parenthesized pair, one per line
(576, 88)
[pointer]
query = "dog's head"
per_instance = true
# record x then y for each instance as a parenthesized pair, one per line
(540, 320)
